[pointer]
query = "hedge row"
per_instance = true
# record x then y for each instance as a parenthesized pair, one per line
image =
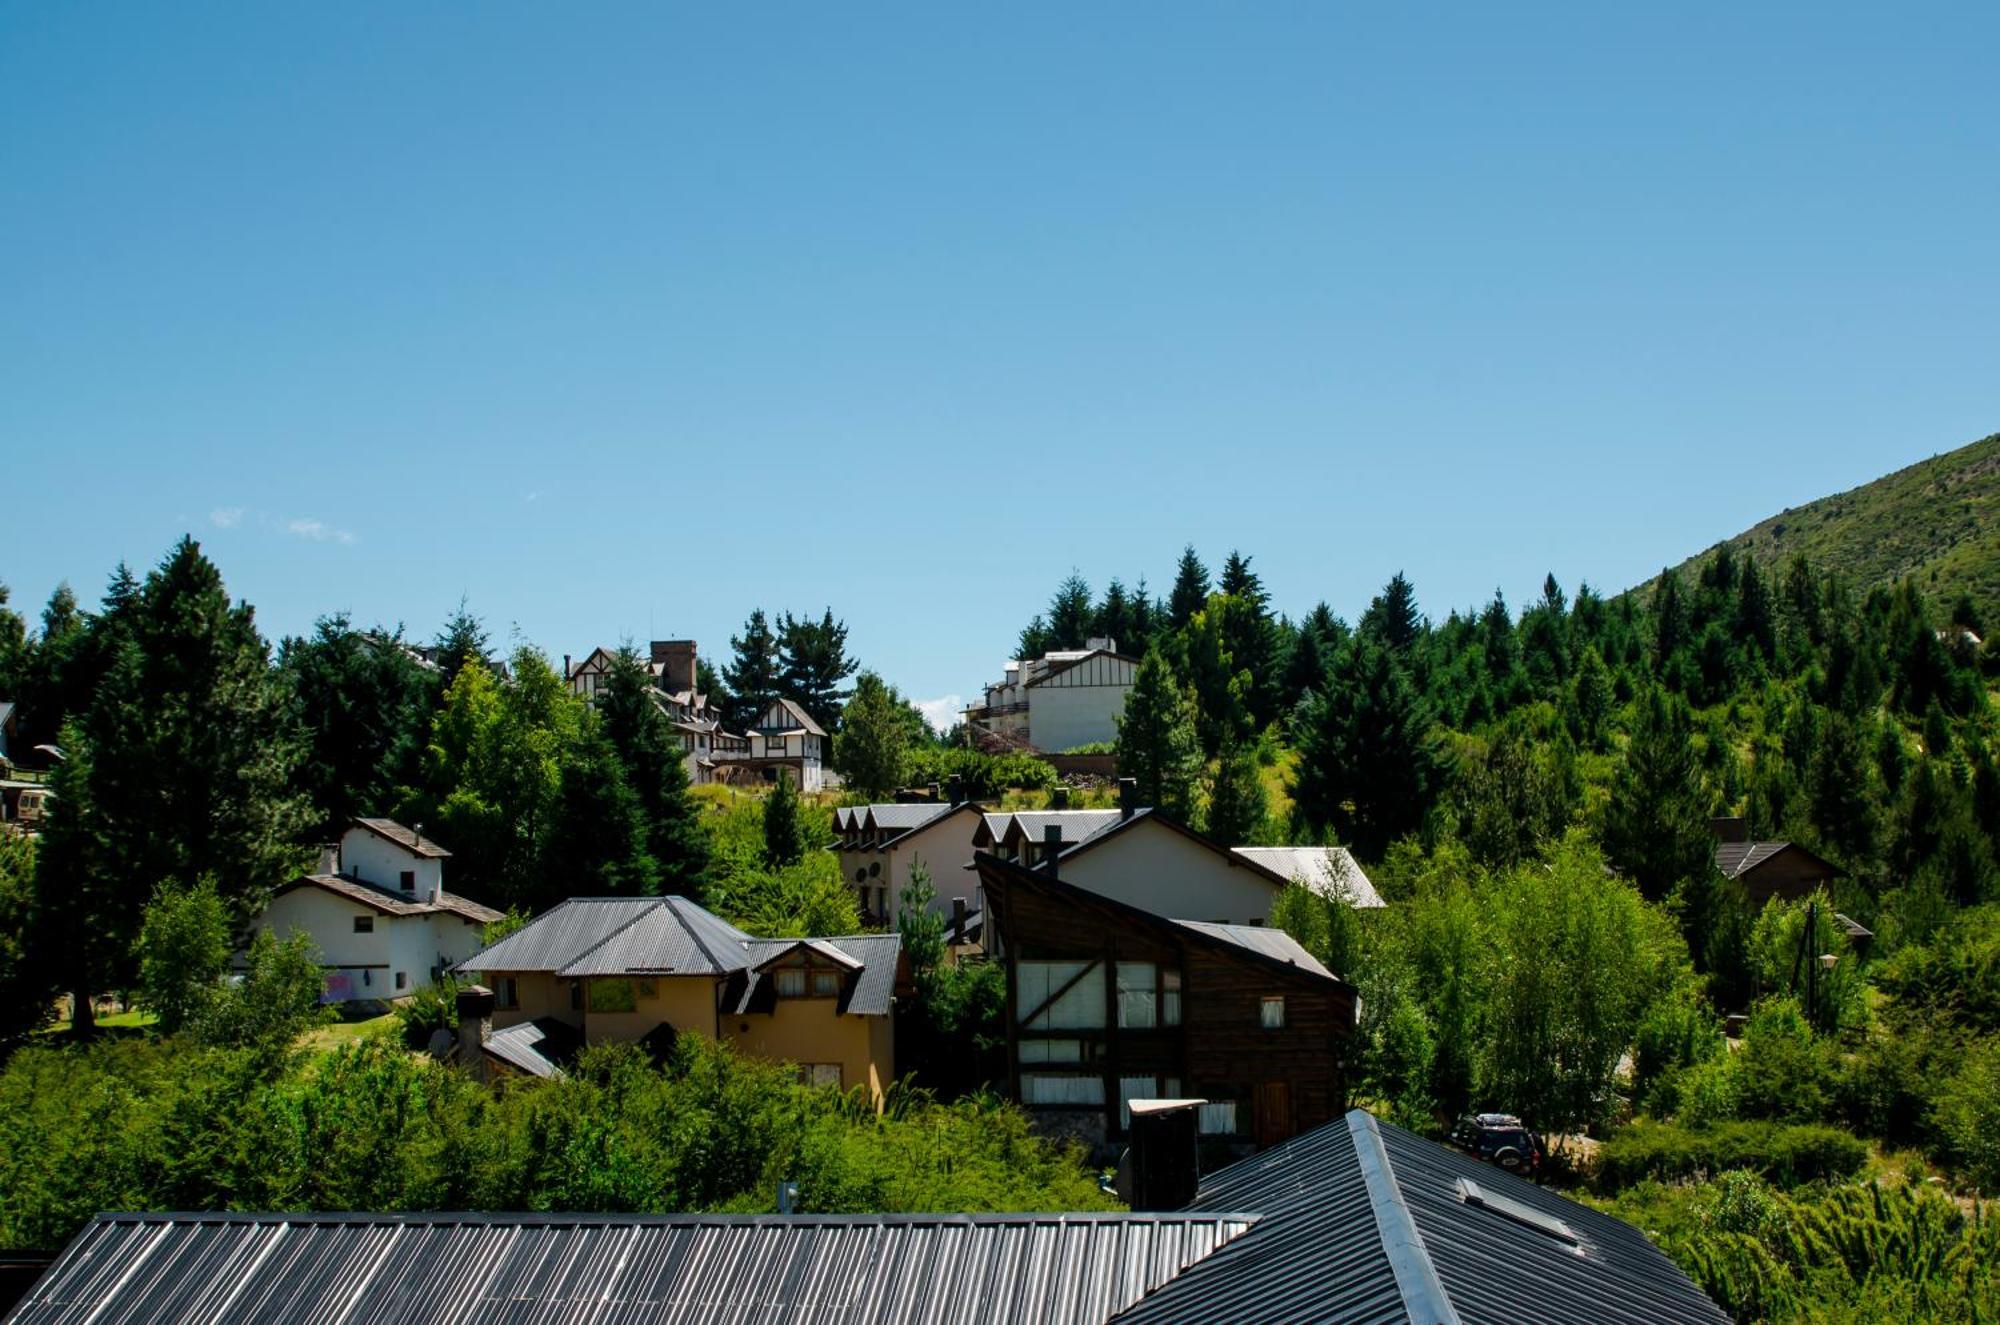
(1786, 1154)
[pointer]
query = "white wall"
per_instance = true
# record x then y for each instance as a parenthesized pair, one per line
(374, 859)
(1154, 868)
(1062, 717)
(409, 944)
(944, 849)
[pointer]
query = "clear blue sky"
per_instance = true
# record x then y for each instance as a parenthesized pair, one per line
(623, 319)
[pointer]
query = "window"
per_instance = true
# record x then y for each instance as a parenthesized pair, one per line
(1170, 998)
(364, 924)
(774, 745)
(506, 992)
(1138, 997)
(408, 878)
(402, 980)
(1080, 1005)
(1218, 1118)
(790, 983)
(1050, 1088)
(1272, 1013)
(612, 996)
(1134, 1088)
(576, 996)
(1052, 1051)
(820, 1074)
(826, 984)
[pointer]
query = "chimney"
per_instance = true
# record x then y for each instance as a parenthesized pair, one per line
(329, 858)
(1731, 828)
(957, 921)
(676, 658)
(475, 1027)
(1128, 796)
(1051, 847)
(955, 790)
(567, 669)
(932, 790)
(1162, 1164)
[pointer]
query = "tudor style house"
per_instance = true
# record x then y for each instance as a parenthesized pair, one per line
(379, 914)
(1148, 860)
(645, 969)
(1056, 702)
(878, 845)
(784, 737)
(705, 745)
(1108, 1003)
(1769, 869)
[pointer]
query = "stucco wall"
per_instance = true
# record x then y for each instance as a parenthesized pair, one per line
(685, 1002)
(1060, 717)
(1150, 866)
(376, 860)
(811, 1030)
(412, 945)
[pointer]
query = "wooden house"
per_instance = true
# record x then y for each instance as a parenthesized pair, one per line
(1769, 869)
(1108, 1003)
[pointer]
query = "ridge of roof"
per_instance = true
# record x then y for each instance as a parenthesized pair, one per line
(407, 838)
(1424, 1298)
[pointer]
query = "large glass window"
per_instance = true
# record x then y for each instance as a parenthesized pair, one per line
(1138, 998)
(1170, 997)
(1218, 1118)
(1080, 1005)
(1052, 1051)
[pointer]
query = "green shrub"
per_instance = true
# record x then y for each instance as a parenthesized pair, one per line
(1787, 1155)
(1966, 1115)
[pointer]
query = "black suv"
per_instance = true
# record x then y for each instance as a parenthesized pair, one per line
(1499, 1138)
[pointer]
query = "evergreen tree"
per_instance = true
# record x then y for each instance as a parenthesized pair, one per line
(1157, 746)
(1236, 800)
(1239, 581)
(364, 703)
(1670, 621)
(13, 646)
(182, 767)
(1657, 827)
(871, 750)
(1224, 690)
(597, 843)
(784, 825)
(1305, 667)
(1190, 591)
(463, 640)
(1843, 808)
(1756, 615)
(1591, 700)
(1114, 616)
(1368, 767)
(653, 761)
(813, 663)
(1072, 620)
(1392, 617)
(1143, 622)
(752, 675)
(1035, 640)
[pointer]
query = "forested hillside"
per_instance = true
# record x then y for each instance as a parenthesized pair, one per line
(1936, 522)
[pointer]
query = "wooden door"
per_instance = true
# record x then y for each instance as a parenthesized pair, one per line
(1273, 1122)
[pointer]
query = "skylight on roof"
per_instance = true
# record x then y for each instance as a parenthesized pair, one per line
(1507, 1208)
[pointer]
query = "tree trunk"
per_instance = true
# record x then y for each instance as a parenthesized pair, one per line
(82, 1015)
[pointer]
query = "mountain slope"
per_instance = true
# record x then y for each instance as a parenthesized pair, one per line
(1937, 520)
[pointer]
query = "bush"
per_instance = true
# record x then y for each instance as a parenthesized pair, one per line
(1966, 1115)
(1783, 1072)
(1786, 1155)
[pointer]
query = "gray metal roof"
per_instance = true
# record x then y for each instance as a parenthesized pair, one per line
(556, 937)
(674, 937)
(901, 817)
(543, 1047)
(615, 1269)
(1736, 858)
(871, 993)
(1033, 825)
(1367, 1224)
(394, 903)
(1329, 871)
(1266, 940)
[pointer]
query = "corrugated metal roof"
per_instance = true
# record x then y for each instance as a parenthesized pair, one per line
(404, 838)
(615, 1269)
(1033, 825)
(872, 993)
(1266, 940)
(1329, 871)
(674, 937)
(543, 1047)
(1735, 858)
(554, 938)
(902, 817)
(1322, 1253)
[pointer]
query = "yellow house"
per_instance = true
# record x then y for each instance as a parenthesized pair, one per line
(631, 969)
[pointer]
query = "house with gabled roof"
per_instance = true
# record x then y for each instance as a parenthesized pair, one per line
(1769, 869)
(377, 910)
(1064, 699)
(646, 969)
(1108, 1002)
(879, 844)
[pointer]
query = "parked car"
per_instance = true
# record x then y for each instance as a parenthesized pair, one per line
(1500, 1139)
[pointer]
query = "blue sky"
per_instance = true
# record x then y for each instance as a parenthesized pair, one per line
(623, 319)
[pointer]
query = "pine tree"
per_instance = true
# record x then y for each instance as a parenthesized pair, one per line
(182, 767)
(1591, 700)
(1190, 591)
(871, 750)
(1368, 767)
(1237, 803)
(1670, 621)
(1072, 620)
(462, 640)
(1157, 746)
(752, 675)
(1756, 615)
(653, 761)
(1035, 640)
(1656, 825)
(1305, 666)
(364, 703)
(1392, 617)
(1143, 622)
(784, 825)
(1114, 615)
(1239, 581)
(813, 663)
(597, 840)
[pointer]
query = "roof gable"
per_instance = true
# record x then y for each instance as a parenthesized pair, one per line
(407, 839)
(1738, 859)
(1329, 871)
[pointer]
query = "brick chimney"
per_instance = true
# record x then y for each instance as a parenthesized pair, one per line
(475, 1027)
(1051, 848)
(677, 663)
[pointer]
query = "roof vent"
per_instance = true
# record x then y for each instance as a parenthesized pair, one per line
(1507, 1208)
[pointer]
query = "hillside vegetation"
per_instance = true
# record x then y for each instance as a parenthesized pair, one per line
(1936, 522)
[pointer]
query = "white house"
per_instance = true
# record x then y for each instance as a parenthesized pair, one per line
(785, 737)
(1145, 859)
(878, 845)
(1057, 702)
(378, 911)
